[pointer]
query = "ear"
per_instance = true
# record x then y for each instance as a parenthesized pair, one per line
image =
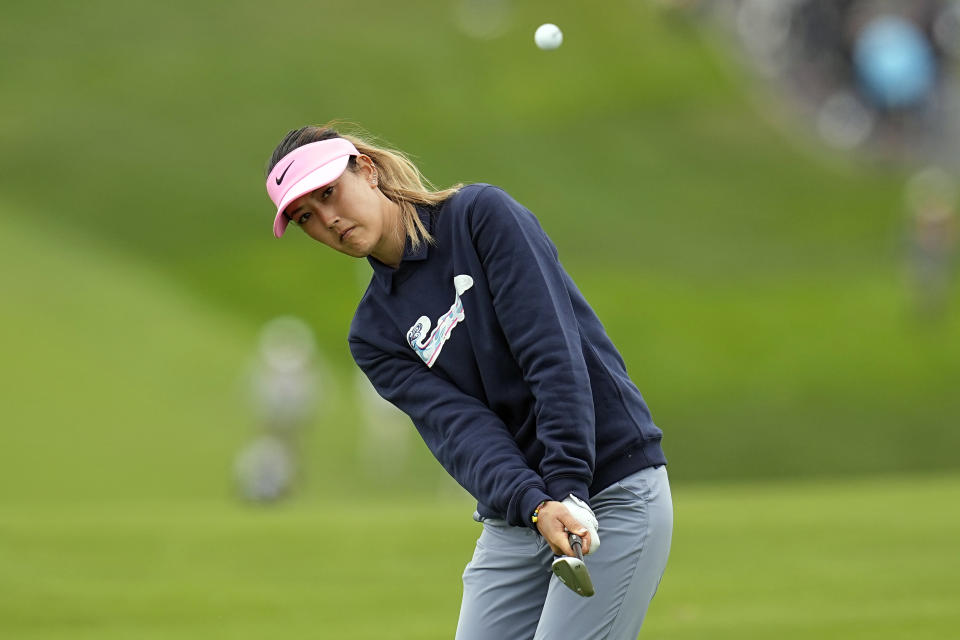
(368, 170)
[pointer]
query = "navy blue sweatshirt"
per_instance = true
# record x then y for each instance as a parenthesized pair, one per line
(486, 343)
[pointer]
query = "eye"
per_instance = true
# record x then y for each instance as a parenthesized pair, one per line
(327, 192)
(303, 218)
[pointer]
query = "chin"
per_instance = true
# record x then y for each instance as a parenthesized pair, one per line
(354, 252)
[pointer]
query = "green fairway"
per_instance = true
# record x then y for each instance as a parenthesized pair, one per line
(874, 558)
(117, 382)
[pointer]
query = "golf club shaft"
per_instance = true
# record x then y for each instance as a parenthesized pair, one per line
(576, 543)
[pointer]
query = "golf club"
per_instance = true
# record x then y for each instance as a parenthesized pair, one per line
(572, 571)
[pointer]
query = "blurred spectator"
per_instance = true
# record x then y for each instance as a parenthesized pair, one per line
(894, 63)
(265, 469)
(284, 382)
(931, 197)
(872, 73)
(844, 121)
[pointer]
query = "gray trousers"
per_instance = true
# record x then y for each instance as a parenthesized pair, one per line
(510, 593)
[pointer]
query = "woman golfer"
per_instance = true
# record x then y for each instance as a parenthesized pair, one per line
(471, 326)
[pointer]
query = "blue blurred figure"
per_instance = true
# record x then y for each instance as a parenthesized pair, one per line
(894, 62)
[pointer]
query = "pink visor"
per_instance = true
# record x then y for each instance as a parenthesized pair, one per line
(304, 169)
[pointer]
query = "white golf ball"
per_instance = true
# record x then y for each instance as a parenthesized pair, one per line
(548, 36)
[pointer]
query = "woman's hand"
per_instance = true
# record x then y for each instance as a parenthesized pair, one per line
(554, 521)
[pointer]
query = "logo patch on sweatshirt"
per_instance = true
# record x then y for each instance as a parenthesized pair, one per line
(428, 346)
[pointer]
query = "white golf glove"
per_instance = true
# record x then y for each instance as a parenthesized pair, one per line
(584, 515)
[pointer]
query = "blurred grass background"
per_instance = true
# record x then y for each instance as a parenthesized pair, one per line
(866, 558)
(755, 289)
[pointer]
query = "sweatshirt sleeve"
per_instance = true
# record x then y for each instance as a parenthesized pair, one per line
(469, 440)
(530, 298)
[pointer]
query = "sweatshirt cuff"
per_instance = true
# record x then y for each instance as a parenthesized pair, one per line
(528, 504)
(560, 488)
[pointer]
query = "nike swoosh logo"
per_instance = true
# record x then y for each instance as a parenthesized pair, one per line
(280, 178)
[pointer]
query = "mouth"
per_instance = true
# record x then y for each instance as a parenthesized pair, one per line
(346, 234)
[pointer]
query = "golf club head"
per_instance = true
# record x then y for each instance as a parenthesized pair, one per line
(573, 572)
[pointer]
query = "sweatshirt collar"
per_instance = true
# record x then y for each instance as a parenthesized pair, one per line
(385, 274)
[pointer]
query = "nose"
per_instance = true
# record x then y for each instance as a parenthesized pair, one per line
(329, 219)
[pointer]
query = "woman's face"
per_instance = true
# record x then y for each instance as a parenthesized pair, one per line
(350, 214)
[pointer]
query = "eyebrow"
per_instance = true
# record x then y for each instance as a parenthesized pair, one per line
(299, 209)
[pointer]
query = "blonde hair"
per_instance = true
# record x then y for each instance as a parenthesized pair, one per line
(399, 178)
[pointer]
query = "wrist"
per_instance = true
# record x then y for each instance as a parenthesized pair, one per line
(536, 512)
(529, 502)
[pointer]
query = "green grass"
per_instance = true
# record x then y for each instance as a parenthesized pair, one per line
(116, 382)
(872, 558)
